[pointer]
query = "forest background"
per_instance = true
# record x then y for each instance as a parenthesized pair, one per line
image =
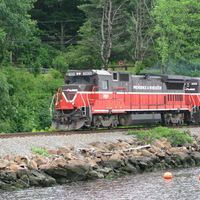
(159, 36)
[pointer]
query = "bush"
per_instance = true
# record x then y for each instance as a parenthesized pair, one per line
(40, 151)
(26, 101)
(175, 136)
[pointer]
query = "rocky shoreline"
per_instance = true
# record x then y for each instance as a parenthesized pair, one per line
(98, 160)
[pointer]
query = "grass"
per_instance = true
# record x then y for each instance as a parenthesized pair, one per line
(40, 151)
(175, 136)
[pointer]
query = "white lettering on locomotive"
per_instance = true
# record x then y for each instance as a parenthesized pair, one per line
(190, 89)
(141, 87)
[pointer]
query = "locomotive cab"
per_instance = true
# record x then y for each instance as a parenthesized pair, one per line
(81, 80)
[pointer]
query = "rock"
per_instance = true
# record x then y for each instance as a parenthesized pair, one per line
(196, 157)
(75, 173)
(94, 175)
(104, 158)
(21, 184)
(47, 166)
(146, 152)
(39, 159)
(92, 163)
(135, 153)
(116, 157)
(39, 178)
(68, 156)
(177, 150)
(121, 146)
(4, 186)
(104, 170)
(21, 159)
(99, 145)
(2, 166)
(60, 162)
(129, 168)
(110, 146)
(63, 150)
(158, 144)
(16, 168)
(52, 152)
(32, 165)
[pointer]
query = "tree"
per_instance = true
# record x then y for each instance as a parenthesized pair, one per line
(139, 26)
(177, 27)
(14, 22)
(86, 54)
(59, 21)
(107, 19)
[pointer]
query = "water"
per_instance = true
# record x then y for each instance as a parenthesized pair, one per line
(184, 185)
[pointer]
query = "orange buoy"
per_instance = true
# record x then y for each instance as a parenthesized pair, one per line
(167, 175)
(199, 176)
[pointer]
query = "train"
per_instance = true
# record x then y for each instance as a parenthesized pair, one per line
(99, 98)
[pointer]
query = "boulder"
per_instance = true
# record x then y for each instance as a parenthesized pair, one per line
(39, 159)
(92, 174)
(99, 145)
(158, 144)
(3, 166)
(129, 168)
(60, 162)
(21, 159)
(39, 178)
(32, 165)
(63, 150)
(16, 168)
(52, 152)
(145, 152)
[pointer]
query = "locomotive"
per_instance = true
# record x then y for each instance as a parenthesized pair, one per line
(98, 98)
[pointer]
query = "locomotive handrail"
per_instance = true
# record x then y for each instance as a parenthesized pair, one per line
(95, 88)
(51, 105)
(120, 88)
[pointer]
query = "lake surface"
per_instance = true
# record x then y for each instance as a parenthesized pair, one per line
(184, 185)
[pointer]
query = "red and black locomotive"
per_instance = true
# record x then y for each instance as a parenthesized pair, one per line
(97, 98)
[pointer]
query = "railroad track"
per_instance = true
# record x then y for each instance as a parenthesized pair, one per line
(56, 133)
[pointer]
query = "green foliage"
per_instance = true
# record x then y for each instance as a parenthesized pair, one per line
(40, 151)
(45, 129)
(60, 64)
(60, 21)
(175, 136)
(177, 29)
(26, 100)
(55, 74)
(139, 67)
(185, 68)
(4, 93)
(15, 22)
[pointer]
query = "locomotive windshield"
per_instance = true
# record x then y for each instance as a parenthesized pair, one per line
(81, 80)
(78, 80)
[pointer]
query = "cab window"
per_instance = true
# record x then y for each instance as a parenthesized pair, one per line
(105, 84)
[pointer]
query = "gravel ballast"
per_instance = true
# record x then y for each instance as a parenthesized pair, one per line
(22, 146)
